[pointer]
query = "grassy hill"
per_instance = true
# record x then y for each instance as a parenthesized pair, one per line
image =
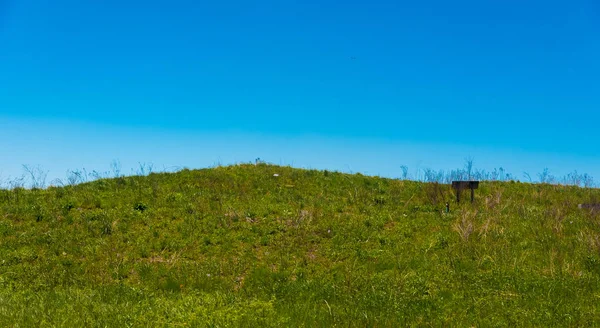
(239, 246)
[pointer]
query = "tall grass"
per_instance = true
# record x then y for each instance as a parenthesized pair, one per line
(263, 245)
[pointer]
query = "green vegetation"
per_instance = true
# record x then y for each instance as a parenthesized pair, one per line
(238, 246)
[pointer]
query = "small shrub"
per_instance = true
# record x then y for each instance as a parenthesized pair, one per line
(68, 206)
(592, 264)
(141, 207)
(379, 200)
(442, 242)
(106, 227)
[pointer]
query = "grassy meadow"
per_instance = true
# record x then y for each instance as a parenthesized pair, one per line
(270, 246)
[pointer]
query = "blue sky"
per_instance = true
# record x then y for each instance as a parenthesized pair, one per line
(362, 86)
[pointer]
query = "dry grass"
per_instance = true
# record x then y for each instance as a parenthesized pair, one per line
(464, 226)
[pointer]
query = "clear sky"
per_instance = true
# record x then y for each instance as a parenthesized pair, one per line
(362, 86)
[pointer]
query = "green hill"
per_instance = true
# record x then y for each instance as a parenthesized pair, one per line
(270, 246)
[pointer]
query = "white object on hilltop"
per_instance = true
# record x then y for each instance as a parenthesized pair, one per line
(275, 175)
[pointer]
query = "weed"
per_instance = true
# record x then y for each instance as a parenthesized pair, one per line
(464, 225)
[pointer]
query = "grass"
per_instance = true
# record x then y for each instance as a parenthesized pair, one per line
(237, 246)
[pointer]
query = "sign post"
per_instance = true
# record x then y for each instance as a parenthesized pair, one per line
(460, 185)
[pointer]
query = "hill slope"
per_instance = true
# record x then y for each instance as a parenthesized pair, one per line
(238, 246)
